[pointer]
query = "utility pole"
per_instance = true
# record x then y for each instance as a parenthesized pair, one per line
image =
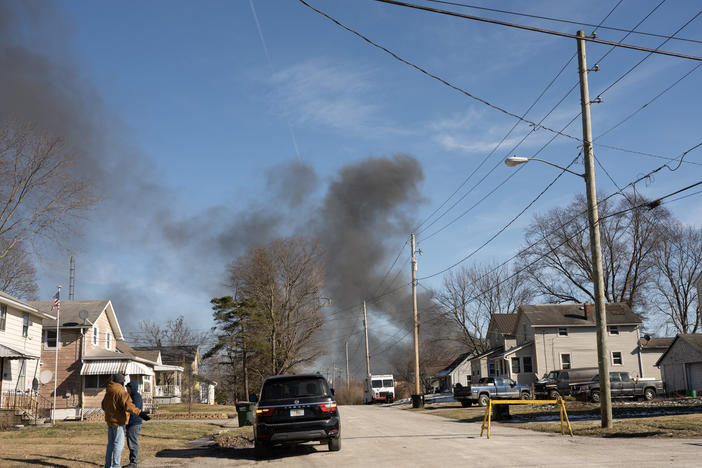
(72, 279)
(365, 331)
(593, 216)
(414, 313)
(347, 364)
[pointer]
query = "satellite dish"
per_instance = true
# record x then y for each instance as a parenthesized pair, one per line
(45, 376)
(83, 314)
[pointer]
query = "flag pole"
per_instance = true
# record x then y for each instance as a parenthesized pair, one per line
(57, 304)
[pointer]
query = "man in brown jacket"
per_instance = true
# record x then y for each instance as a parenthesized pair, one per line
(117, 406)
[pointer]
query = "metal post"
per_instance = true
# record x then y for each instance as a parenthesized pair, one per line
(58, 341)
(593, 216)
(414, 313)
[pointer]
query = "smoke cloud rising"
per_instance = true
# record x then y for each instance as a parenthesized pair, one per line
(361, 217)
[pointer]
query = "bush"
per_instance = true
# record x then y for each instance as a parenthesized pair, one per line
(351, 395)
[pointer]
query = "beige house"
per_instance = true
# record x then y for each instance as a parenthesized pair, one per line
(650, 351)
(90, 349)
(20, 350)
(177, 375)
(500, 336)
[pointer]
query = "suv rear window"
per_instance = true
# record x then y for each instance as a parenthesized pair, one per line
(293, 388)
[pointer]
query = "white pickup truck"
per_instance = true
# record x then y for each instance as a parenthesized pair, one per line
(379, 388)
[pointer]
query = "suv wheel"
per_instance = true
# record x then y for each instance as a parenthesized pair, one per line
(335, 444)
(260, 449)
(595, 396)
(554, 395)
(483, 399)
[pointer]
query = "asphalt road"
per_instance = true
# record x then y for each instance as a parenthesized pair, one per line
(386, 436)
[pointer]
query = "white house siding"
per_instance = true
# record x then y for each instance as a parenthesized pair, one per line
(460, 374)
(524, 378)
(679, 367)
(649, 357)
(30, 345)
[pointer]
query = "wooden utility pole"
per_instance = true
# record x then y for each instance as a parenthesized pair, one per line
(365, 331)
(595, 250)
(347, 364)
(414, 313)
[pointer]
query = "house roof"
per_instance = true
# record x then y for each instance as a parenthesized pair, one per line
(693, 339)
(487, 353)
(455, 363)
(24, 306)
(505, 323)
(656, 343)
(514, 349)
(70, 311)
(8, 353)
(173, 354)
(543, 315)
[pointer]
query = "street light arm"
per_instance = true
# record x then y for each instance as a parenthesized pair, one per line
(557, 166)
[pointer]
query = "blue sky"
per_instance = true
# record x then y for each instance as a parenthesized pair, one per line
(192, 103)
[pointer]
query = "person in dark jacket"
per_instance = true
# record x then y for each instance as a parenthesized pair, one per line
(134, 425)
(117, 405)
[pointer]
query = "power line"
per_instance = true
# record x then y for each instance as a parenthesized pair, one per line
(560, 20)
(436, 77)
(540, 30)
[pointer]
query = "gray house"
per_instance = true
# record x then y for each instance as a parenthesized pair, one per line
(681, 364)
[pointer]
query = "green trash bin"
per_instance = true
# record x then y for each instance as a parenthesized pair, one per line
(244, 412)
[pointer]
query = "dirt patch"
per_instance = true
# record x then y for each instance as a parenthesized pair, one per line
(237, 438)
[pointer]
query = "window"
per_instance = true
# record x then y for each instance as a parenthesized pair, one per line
(491, 368)
(108, 340)
(25, 325)
(515, 365)
(95, 336)
(3, 316)
(613, 330)
(50, 339)
(147, 384)
(616, 358)
(565, 361)
(97, 381)
(562, 332)
(526, 361)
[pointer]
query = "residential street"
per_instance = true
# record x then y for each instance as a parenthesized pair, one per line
(386, 436)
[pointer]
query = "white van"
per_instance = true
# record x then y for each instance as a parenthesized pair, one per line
(379, 388)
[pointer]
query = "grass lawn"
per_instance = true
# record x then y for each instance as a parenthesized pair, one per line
(654, 419)
(197, 411)
(73, 444)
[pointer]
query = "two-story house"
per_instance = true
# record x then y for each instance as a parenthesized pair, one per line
(90, 349)
(499, 336)
(177, 373)
(20, 348)
(563, 336)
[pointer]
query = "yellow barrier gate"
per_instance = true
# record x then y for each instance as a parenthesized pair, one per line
(559, 402)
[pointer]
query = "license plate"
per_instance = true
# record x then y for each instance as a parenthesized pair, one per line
(297, 412)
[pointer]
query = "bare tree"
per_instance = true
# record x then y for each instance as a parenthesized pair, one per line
(283, 281)
(40, 194)
(559, 263)
(472, 295)
(17, 273)
(679, 264)
(173, 333)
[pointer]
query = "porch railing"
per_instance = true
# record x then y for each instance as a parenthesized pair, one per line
(166, 390)
(32, 405)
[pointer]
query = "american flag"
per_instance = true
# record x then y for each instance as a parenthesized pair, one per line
(57, 301)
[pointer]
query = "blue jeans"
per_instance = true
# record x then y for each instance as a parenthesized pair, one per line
(115, 444)
(133, 442)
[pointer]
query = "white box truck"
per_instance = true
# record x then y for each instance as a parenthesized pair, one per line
(379, 388)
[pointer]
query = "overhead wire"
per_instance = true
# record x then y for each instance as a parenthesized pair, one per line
(560, 20)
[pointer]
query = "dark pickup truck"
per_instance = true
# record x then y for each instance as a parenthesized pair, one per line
(622, 386)
(496, 388)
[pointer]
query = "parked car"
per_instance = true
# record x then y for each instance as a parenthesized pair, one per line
(621, 386)
(558, 383)
(296, 409)
(496, 388)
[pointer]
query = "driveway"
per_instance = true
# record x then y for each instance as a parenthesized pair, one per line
(387, 436)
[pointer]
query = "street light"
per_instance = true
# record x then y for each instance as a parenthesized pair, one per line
(597, 278)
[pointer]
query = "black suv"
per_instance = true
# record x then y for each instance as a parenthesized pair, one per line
(294, 409)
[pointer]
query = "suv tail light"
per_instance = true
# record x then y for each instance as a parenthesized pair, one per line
(264, 411)
(328, 407)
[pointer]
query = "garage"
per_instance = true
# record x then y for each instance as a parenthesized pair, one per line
(681, 364)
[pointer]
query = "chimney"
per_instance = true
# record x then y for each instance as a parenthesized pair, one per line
(588, 310)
